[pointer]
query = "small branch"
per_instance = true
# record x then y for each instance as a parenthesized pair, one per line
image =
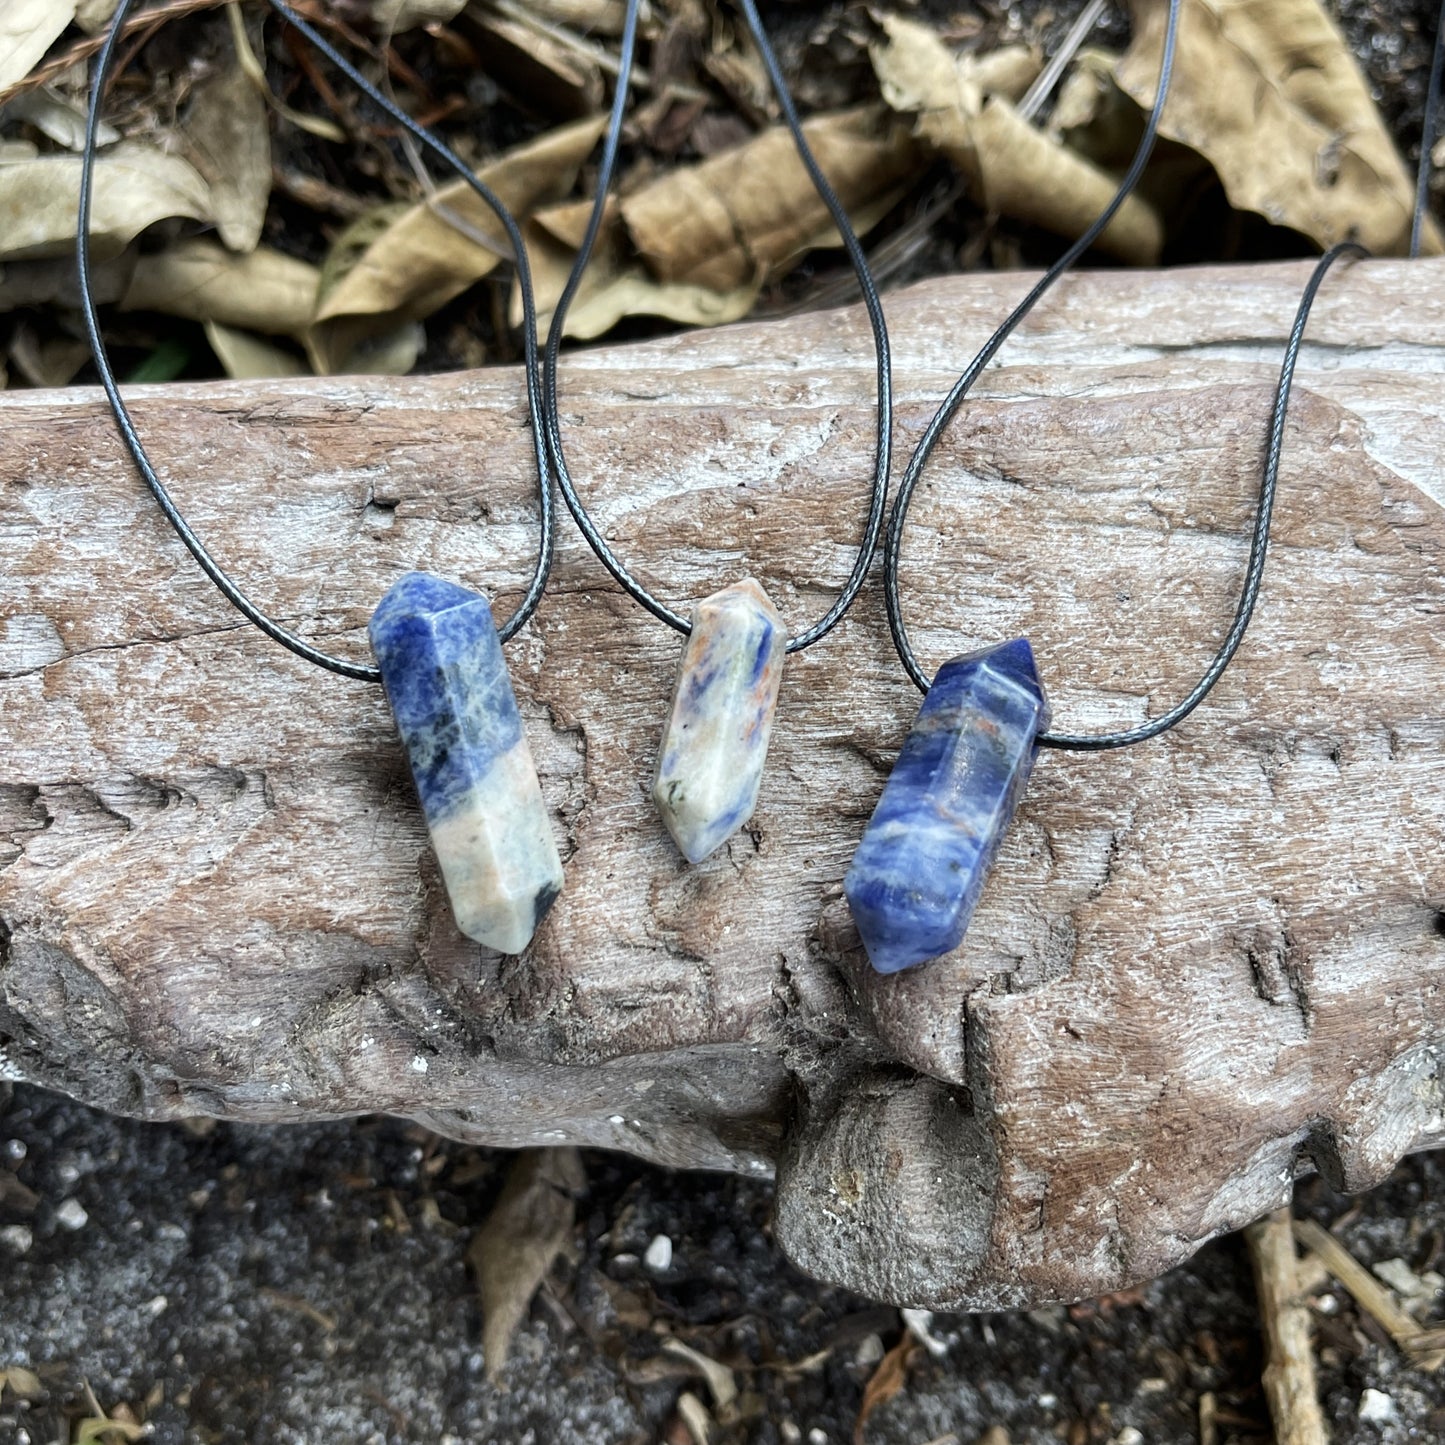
(1368, 1292)
(1289, 1373)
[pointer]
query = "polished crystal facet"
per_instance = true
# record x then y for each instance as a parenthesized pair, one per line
(921, 864)
(711, 763)
(447, 682)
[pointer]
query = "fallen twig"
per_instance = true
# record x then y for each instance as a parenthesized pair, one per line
(1289, 1372)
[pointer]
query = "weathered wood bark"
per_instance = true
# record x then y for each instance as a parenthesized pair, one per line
(1203, 965)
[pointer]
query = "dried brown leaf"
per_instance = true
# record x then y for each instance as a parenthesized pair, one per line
(255, 72)
(513, 1251)
(616, 284)
(94, 15)
(424, 255)
(24, 1384)
(741, 217)
(199, 280)
(102, 1430)
(245, 357)
(1268, 92)
(694, 1416)
(135, 186)
(57, 118)
(720, 1381)
(228, 137)
(595, 17)
(394, 16)
(27, 30)
(546, 75)
(37, 283)
(46, 361)
(1008, 71)
(885, 1382)
(1013, 168)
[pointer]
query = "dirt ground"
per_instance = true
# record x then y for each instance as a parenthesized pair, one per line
(231, 1284)
(309, 1284)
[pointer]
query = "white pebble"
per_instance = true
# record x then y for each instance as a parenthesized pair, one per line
(1129, 1436)
(919, 1324)
(790, 1433)
(72, 1215)
(15, 1150)
(157, 1306)
(870, 1350)
(817, 1436)
(659, 1255)
(418, 1065)
(1378, 1408)
(17, 1237)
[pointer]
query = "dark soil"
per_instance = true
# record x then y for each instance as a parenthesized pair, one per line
(309, 1284)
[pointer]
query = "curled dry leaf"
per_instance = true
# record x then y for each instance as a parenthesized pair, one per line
(530, 1225)
(228, 136)
(1268, 92)
(27, 29)
(721, 1383)
(615, 284)
(135, 186)
(201, 281)
(884, 1383)
(1014, 168)
(738, 218)
(421, 256)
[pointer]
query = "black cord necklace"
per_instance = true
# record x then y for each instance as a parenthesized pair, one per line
(710, 764)
(437, 648)
(923, 858)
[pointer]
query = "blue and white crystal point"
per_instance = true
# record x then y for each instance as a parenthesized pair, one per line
(447, 682)
(920, 866)
(710, 766)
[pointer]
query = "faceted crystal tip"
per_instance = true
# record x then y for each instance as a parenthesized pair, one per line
(447, 682)
(710, 765)
(922, 860)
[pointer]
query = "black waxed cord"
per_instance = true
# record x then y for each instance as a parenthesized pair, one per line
(361, 672)
(1254, 573)
(1258, 547)
(951, 403)
(883, 450)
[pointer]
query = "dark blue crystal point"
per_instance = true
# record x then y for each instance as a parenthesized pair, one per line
(927, 848)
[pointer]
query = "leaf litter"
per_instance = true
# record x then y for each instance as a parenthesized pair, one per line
(214, 173)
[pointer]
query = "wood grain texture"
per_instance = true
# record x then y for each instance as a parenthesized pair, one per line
(1202, 966)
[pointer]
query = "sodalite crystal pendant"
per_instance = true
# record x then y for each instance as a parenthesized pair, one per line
(921, 864)
(446, 680)
(711, 763)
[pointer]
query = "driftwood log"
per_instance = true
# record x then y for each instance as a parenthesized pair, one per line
(1202, 967)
